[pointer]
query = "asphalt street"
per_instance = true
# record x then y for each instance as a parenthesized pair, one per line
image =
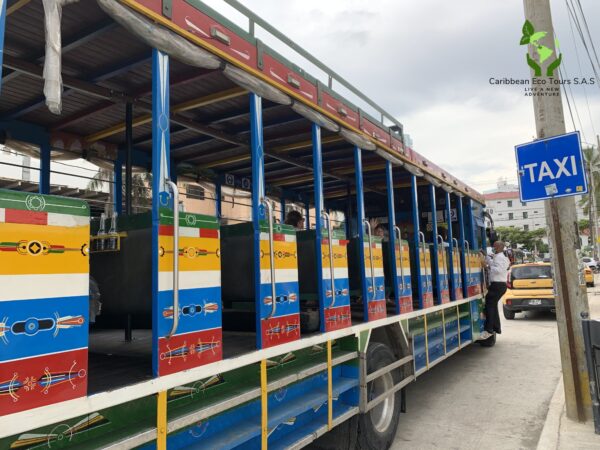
(487, 397)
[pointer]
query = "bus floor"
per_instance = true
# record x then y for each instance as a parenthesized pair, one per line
(114, 362)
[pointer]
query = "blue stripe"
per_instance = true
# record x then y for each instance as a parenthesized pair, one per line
(192, 316)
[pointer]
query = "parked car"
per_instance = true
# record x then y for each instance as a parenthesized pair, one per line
(590, 262)
(530, 287)
(589, 277)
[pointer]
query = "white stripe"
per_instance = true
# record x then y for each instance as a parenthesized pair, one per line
(2, 215)
(287, 237)
(406, 272)
(290, 237)
(338, 273)
(189, 232)
(67, 220)
(28, 287)
(281, 275)
(378, 271)
(190, 279)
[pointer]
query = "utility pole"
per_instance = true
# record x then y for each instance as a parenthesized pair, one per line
(592, 207)
(571, 297)
(593, 203)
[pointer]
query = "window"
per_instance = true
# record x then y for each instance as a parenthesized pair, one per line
(498, 202)
(499, 214)
(491, 211)
(535, 212)
(524, 214)
(523, 203)
(194, 191)
(536, 225)
(525, 228)
(509, 203)
(510, 216)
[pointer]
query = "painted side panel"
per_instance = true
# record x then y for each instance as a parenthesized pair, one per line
(198, 339)
(376, 293)
(44, 279)
(426, 277)
(443, 274)
(284, 325)
(474, 273)
(458, 290)
(404, 277)
(337, 107)
(337, 315)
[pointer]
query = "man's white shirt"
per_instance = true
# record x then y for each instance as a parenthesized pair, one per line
(499, 265)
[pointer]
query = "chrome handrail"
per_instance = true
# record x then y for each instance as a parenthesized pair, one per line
(468, 261)
(457, 261)
(331, 268)
(175, 190)
(265, 201)
(366, 222)
(423, 246)
(397, 229)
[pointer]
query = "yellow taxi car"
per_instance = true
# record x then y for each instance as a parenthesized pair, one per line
(530, 287)
(589, 277)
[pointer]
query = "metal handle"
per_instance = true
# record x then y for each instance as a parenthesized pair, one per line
(269, 208)
(331, 268)
(457, 251)
(397, 230)
(175, 190)
(423, 246)
(370, 254)
(442, 242)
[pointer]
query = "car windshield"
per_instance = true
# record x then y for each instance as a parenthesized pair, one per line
(531, 272)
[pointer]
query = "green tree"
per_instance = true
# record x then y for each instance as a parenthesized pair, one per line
(141, 184)
(528, 240)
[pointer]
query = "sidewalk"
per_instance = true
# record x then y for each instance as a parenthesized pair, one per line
(559, 432)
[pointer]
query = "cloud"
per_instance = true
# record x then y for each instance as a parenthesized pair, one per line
(428, 63)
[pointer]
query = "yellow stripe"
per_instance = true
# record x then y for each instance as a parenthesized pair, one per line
(190, 261)
(35, 237)
(289, 261)
(329, 388)
(190, 36)
(161, 420)
(264, 417)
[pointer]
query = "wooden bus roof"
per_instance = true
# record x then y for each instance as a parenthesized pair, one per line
(104, 66)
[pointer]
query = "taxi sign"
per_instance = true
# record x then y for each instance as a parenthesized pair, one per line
(551, 168)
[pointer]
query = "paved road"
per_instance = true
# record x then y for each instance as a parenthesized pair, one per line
(487, 397)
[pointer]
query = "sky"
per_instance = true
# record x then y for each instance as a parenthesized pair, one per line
(428, 63)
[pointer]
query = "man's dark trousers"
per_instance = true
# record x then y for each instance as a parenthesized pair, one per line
(492, 318)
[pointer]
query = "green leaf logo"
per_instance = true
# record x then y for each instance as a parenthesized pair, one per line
(530, 36)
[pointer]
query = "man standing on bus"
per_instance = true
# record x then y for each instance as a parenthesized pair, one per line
(498, 266)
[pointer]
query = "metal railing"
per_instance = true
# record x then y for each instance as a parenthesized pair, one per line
(269, 208)
(331, 268)
(366, 222)
(175, 190)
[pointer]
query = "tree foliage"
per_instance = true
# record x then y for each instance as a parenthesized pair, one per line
(528, 240)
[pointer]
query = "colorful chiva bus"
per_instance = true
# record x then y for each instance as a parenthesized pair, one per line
(267, 264)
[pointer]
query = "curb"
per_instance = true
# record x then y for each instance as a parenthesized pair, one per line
(550, 436)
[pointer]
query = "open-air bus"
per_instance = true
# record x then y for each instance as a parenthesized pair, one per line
(215, 332)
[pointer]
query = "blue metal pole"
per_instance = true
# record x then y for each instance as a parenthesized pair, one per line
(450, 255)
(258, 193)
(471, 236)
(461, 243)
(2, 27)
(319, 207)
(360, 218)
(218, 204)
(118, 186)
(434, 232)
(160, 173)
(415, 217)
(392, 223)
(282, 206)
(307, 214)
(45, 158)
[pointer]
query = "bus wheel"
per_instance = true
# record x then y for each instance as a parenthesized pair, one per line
(377, 428)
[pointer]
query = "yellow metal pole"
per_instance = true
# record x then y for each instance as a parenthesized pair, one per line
(161, 420)
(329, 388)
(426, 341)
(264, 420)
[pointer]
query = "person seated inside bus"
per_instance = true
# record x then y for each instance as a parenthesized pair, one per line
(381, 231)
(295, 219)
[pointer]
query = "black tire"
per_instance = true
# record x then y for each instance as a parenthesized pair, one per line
(509, 314)
(377, 428)
(489, 342)
(359, 432)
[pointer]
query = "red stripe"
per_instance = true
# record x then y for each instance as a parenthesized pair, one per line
(279, 237)
(165, 230)
(28, 217)
(344, 241)
(209, 233)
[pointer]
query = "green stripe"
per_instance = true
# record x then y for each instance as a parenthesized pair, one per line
(27, 201)
(189, 220)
